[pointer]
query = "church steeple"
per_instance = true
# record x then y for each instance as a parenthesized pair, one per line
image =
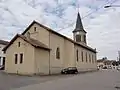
(79, 25)
(79, 33)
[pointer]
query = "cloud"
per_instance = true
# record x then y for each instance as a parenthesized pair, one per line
(102, 25)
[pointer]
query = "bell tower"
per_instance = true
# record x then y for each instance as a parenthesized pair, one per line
(79, 34)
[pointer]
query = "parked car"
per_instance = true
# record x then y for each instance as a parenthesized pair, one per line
(105, 67)
(1, 67)
(69, 70)
(118, 68)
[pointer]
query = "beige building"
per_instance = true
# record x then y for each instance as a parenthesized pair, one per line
(2, 54)
(102, 63)
(41, 50)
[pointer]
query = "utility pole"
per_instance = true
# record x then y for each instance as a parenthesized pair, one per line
(118, 55)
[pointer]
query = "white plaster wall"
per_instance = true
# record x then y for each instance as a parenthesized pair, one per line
(1, 53)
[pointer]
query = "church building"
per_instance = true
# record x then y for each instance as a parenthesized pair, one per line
(41, 50)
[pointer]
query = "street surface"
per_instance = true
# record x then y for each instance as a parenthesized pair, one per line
(8, 81)
(102, 80)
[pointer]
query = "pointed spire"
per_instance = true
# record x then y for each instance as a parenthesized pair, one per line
(79, 25)
(79, 22)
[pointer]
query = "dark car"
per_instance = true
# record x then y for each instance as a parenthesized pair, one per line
(2, 67)
(118, 68)
(69, 70)
(105, 67)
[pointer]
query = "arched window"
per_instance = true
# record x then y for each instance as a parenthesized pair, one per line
(84, 38)
(92, 59)
(82, 56)
(35, 29)
(28, 34)
(89, 58)
(58, 53)
(77, 55)
(86, 57)
(18, 44)
(78, 38)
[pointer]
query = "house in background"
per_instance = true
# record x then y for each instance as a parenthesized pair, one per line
(2, 55)
(101, 63)
(41, 50)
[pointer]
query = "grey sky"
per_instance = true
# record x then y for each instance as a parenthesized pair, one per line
(102, 25)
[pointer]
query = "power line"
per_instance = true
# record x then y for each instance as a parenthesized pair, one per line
(73, 23)
(94, 12)
(70, 25)
(11, 13)
(99, 8)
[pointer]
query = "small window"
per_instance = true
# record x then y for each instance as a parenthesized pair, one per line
(95, 59)
(16, 58)
(78, 38)
(86, 56)
(82, 56)
(3, 60)
(77, 55)
(21, 58)
(35, 28)
(58, 53)
(0, 59)
(4, 52)
(84, 38)
(18, 44)
(28, 34)
(92, 59)
(89, 58)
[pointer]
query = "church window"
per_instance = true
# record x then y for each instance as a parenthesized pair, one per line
(77, 55)
(82, 56)
(18, 44)
(0, 59)
(28, 34)
(58, 53)
(78, 38)
(89, 58)
(84, 38)
(86, 56)
(16, 58)
(92, 59)
(21, 58)
(35, 28)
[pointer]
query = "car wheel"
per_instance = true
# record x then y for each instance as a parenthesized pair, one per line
(65, 72)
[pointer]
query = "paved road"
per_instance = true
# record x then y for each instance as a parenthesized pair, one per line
(102, 80)
(8, 81)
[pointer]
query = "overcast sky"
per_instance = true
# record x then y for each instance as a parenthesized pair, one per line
(102, 25)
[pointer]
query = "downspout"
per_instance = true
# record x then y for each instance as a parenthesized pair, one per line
(74, 57)
(35, 67)
(49, 54)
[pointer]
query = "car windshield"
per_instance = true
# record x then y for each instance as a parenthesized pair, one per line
(72, 68)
